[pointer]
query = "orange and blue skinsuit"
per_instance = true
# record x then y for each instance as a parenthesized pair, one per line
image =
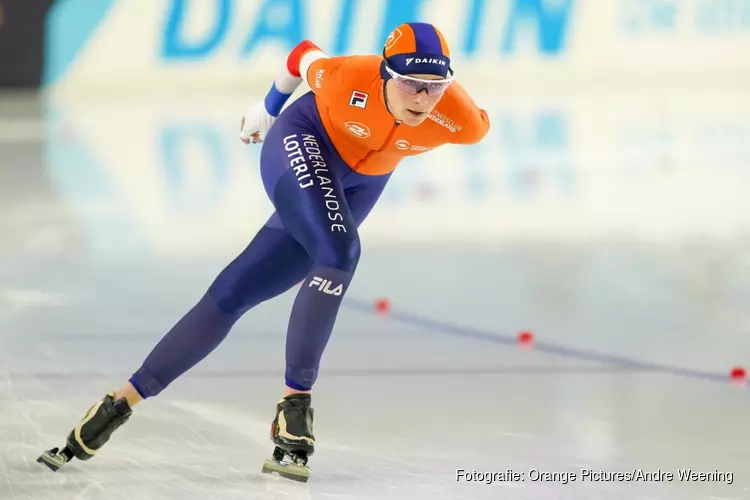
(324, 164)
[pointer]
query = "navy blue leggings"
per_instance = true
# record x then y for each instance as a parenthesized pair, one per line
(312, 236)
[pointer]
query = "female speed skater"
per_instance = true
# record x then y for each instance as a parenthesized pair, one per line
(324, 162)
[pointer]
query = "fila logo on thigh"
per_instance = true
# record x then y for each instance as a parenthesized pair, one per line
(325, 286)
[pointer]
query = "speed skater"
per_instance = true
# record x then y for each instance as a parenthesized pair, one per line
(325, 160)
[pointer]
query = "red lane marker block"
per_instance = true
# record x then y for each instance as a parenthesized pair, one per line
(382, 306)
(738, 375)
(526, 338)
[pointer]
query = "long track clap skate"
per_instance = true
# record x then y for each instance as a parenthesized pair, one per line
(292, 433)
(91, 433)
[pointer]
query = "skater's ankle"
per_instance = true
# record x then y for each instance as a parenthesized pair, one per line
(128, 392)
(288, 391)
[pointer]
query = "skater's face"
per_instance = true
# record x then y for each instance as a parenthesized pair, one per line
(412, 98)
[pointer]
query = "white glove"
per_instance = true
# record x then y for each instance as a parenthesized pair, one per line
(255, 123)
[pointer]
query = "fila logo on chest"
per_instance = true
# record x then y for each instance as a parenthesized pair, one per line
(358, 99)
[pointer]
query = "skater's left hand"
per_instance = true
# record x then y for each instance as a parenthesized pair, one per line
(256, 123)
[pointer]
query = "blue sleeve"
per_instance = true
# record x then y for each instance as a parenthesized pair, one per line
(275, 100)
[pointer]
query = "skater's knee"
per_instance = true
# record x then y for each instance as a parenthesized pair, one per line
(225, 299)
(229, 299)
(341, 253)
(346, 257)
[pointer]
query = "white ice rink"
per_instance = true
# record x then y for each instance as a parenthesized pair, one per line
(615, 227)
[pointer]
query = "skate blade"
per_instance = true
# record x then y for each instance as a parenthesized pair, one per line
(291, 471)
(52, 459)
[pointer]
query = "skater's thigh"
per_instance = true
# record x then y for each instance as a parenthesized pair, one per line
(360, 198)
(362, 193)
(271, 264)
(301, 177)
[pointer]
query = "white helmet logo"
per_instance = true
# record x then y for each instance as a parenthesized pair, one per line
(392, 38)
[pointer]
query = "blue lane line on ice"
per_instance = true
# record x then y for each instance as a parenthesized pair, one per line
(531, 370)
(554, 349)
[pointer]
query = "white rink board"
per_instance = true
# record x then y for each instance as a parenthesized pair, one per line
(184, 45)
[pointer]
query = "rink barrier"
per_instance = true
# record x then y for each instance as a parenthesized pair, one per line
(216, 44)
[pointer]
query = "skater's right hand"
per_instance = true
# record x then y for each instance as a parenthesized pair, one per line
(256, 123)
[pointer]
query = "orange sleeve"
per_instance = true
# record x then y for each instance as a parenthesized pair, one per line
(475, 122)
(324, 75)
(476, 127)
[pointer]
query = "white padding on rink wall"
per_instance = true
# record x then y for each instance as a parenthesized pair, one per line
(170, 46)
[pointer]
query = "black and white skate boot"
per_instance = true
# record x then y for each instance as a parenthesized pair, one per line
(292, 433)
(91, 433)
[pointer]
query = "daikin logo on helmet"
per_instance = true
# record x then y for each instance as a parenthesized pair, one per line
(424, 60)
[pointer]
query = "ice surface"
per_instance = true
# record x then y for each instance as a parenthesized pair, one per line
(619, 236)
